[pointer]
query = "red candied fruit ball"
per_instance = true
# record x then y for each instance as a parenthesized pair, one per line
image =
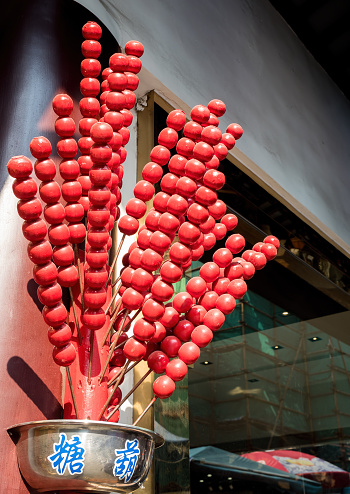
(235, 243)
(163, 387)
(170, 346)
(203, 151)
(128, 225)
(202, 336)
(94, 318)
(50, 295)
(220, 151)
(214, 319)
(200, 114)
(196, 314)
(217, 107)
(228, 140)
(101, 133)
(271, 239)
(193, 130)
(64, 355)
(176, 370)
(211, 134)
(230, 221)
(237, 288)
(90, 67)
(144, 330)
(67, 275)
(160, 155)
(119, 62)
(91, 30)
(210, 272)
(60, 336)
(62, 105)
(144, 190)
(189, 353)
(183, 330)
(214, 179)
(222, 257)
(35, 230)
(182, 302)
(168, 137)
(136, 208)
(134, 349)
(152, 172)
(24, 188)
(54, 315)
(162, 291)
(235, 130)
(45, 274)
(218, 209)
(40, 147)
(91, 48)
(176, 120)
(134, 48)
(153, 310)
(269, 251)
(89, 86)
(132, 299)
(157, 361)
(19, 167)
(29, 209)
(226, 303)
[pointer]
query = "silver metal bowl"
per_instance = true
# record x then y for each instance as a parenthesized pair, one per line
(84, 455)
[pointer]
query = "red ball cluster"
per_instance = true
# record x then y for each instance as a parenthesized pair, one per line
(39, 248)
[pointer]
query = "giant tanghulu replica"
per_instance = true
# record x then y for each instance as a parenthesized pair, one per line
(117, 319)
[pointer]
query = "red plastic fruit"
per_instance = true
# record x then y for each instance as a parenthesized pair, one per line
(235, 130)
(171, 272)
(177, 205)
(132, 299)
(45, 274)
(208, 300)
(64, 355)
(62, 105)
(211, 135)
(203, 151)
(217, 107)
(134, 349)
(60, 336)
(169, 319)
(162, 291)
(54, 315)
(144, 330)
(183, 330)
(189, 353)
(67, 276)
(182, 302)
(226, 303)
(50, 295)
(196, 314)
(128, 225)
(163, 387)
(202, 336)
(270, 239)
(200, 114)
(237, 288)
(134, 48)
(206, 196)
(170, 346)
(160, 154)
(153, 310)
(179, 253)
(39, 252)
(235, 243)
(176, 120)
(91, 30)
(210, 271)
(90, 67)
(176, 370)
(214, 319)
(269, 250)
(157, 361)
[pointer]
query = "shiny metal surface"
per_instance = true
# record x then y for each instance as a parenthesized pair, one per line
(35, 443)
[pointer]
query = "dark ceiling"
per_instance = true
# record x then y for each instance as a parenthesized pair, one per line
(324, 28)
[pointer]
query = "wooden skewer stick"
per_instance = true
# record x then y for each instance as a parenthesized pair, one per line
(120, 377)
(145, 410)
(129, 394)
(116, 281)
(112, 381)
(79, 273)
(127, 326)
(114, 297)
(92, 337)
(72, 392)
(114, 344)
(75, 315)
(111, 322)
(115, 258)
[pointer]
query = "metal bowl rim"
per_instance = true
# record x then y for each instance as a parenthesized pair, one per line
(84, 424)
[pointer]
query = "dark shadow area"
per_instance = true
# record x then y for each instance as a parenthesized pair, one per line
(34, 387)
